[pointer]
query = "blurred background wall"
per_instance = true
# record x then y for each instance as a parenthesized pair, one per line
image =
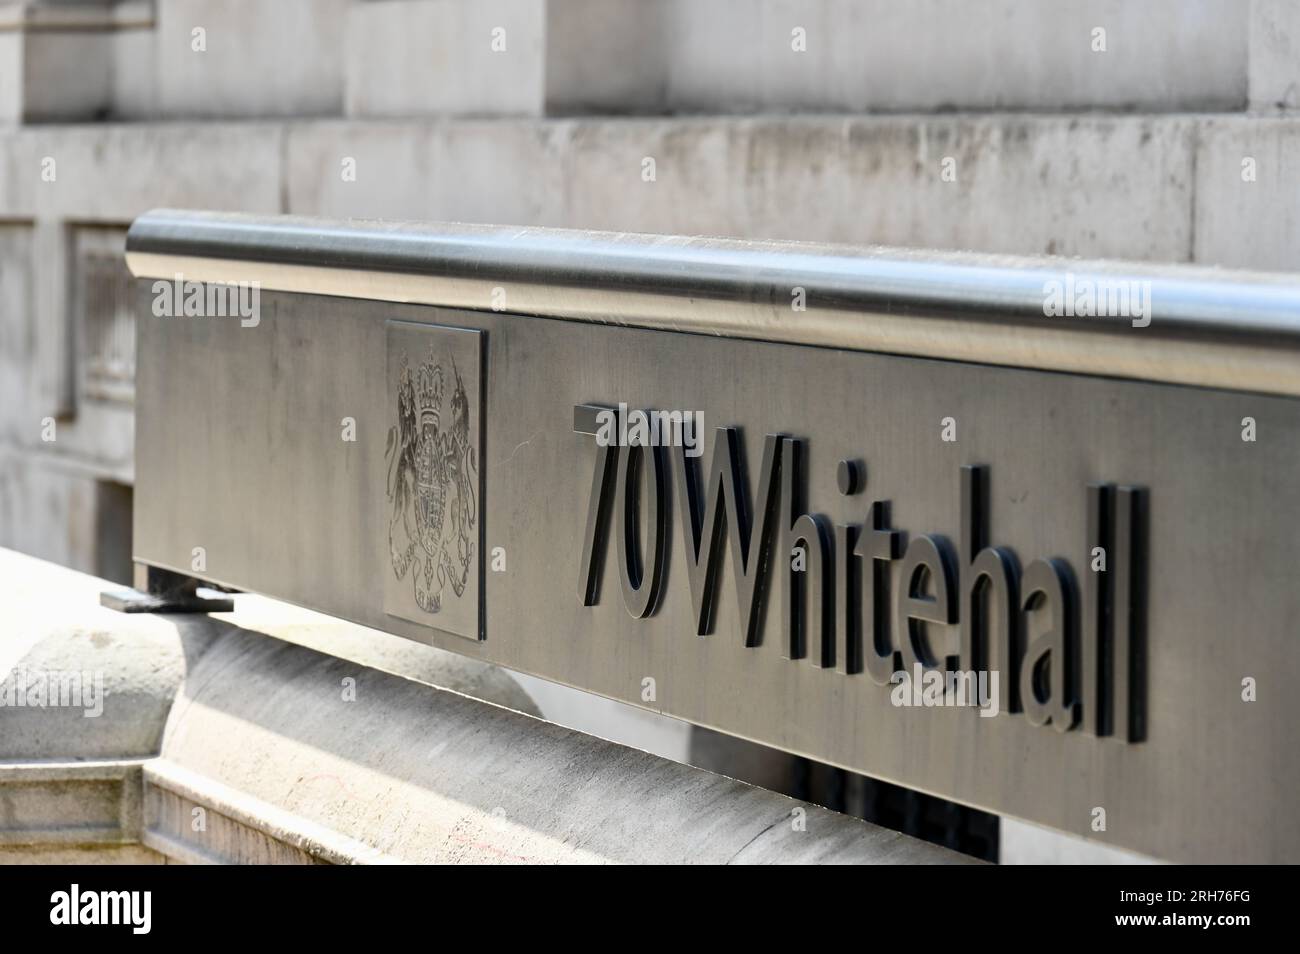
(1159, 131)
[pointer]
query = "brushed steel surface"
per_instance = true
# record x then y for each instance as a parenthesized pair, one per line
(238, 452)
(1208, 328)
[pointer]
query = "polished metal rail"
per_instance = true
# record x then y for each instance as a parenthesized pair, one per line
(1207, 328)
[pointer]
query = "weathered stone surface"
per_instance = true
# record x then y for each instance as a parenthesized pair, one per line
(113, 172)
(263, 735)
(728, 56)
(11, 78)
(274, 752)
(242, 58)
(1097, 186)
(55, 626)
(1247, 203)
(67, 76)
(60, 59)
(1274, 54)
(436, 57)
(949, 54)
(606, 56)
(377, 650)
(96, 855)
(135, 72)
(258, 59)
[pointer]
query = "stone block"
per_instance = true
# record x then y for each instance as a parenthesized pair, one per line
(1274, 54)
(245, 58)
(437, 57)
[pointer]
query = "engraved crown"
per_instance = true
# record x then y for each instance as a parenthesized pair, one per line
(429, 387)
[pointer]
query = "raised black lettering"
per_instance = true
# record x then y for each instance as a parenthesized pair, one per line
(727, 513)
(1048, 677)
(928, 559)
(877, 546)
(989, 577)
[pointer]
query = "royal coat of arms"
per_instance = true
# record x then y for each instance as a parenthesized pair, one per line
(433, 475)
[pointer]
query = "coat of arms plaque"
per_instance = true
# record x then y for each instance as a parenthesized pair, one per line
(433, 477)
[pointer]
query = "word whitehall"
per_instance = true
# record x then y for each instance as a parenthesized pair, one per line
(865, 598)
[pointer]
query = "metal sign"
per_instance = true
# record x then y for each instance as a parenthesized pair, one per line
(1017, 583)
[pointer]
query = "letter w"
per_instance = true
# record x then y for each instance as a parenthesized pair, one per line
(705, 527)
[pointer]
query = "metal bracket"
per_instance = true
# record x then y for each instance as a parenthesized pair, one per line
(163, 591)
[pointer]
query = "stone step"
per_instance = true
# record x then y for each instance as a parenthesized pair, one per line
(1214, 190)
(242, 58)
